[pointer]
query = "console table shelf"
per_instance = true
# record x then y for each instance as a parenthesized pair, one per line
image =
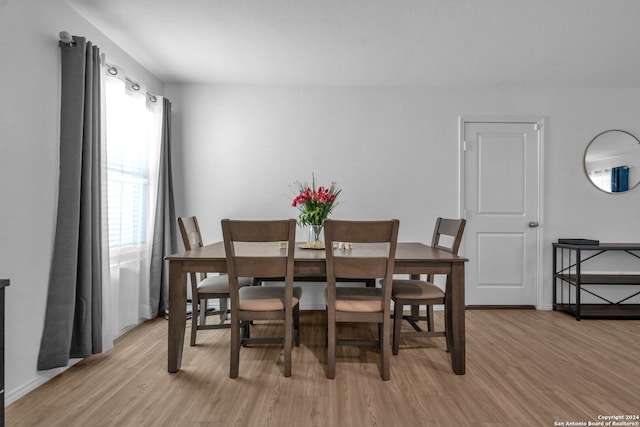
(601, 279)
(603, 311)
(567, 274)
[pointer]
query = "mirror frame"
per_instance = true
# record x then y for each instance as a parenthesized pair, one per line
(584, 160)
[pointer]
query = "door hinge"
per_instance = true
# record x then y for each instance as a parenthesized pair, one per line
(464, 145)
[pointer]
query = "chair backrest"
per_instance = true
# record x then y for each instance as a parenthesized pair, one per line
(192, 239)
(372, 256)
(253, 249)
(190, 232)
(453, 229)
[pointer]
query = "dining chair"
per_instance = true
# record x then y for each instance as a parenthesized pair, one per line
(253, 249)
(447, 235)
(372, 257)
(205, 287)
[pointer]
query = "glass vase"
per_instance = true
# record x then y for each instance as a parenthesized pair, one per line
(316, 236)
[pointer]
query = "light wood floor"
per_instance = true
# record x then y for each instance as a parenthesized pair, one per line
(524, 368)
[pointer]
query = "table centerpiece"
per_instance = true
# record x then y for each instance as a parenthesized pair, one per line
(314, 206)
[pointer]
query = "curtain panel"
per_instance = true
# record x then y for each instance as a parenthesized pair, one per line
(141, 212)
(164, 231)
(620, 179)
(116, 215)
(73, 318)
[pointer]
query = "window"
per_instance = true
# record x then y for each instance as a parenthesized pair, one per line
(128, 158)
(602, 179)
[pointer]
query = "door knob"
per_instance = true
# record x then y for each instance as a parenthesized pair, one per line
(533, 224)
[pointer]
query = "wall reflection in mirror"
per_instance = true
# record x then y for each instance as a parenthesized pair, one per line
(612, 161)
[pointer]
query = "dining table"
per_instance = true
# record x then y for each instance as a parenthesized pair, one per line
(412, 259)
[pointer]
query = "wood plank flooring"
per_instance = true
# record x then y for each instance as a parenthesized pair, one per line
(524, 368)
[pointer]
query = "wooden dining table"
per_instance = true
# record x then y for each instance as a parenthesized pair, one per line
(413, 259)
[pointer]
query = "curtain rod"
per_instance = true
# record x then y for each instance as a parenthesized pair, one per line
(65, 37)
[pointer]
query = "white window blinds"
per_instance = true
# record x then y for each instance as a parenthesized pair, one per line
(128, 157)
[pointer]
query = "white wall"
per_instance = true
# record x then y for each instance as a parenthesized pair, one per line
(393, 151)
(29, 142)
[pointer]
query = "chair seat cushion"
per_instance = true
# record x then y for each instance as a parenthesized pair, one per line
(415, 289)
(266, 298)
(220, 284)
(359, 300)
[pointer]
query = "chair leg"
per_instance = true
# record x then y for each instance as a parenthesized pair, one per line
(430, 318)
(288, 343)
(296, 325)
(326, 326)
(331, 345)
(385, 351)
(448, 320)
(245, 331)
(234, 357)
(203, 311)
(415, 312)
(397, 326)
(194, 321)
(224, 309)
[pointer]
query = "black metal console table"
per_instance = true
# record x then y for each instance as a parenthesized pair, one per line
(568, 261)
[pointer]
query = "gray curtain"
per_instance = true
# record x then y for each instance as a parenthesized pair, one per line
(164, 230)
(73, 319)
(619, 179)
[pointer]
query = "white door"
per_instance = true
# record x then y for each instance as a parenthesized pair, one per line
(501, 202)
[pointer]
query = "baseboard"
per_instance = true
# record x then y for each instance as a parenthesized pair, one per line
(43, 376)
(313, 307)
(322, 306)
(500, 307)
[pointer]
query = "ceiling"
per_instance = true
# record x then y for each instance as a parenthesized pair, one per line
(435, 43)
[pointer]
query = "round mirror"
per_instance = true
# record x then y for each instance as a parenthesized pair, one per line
(612, 161)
